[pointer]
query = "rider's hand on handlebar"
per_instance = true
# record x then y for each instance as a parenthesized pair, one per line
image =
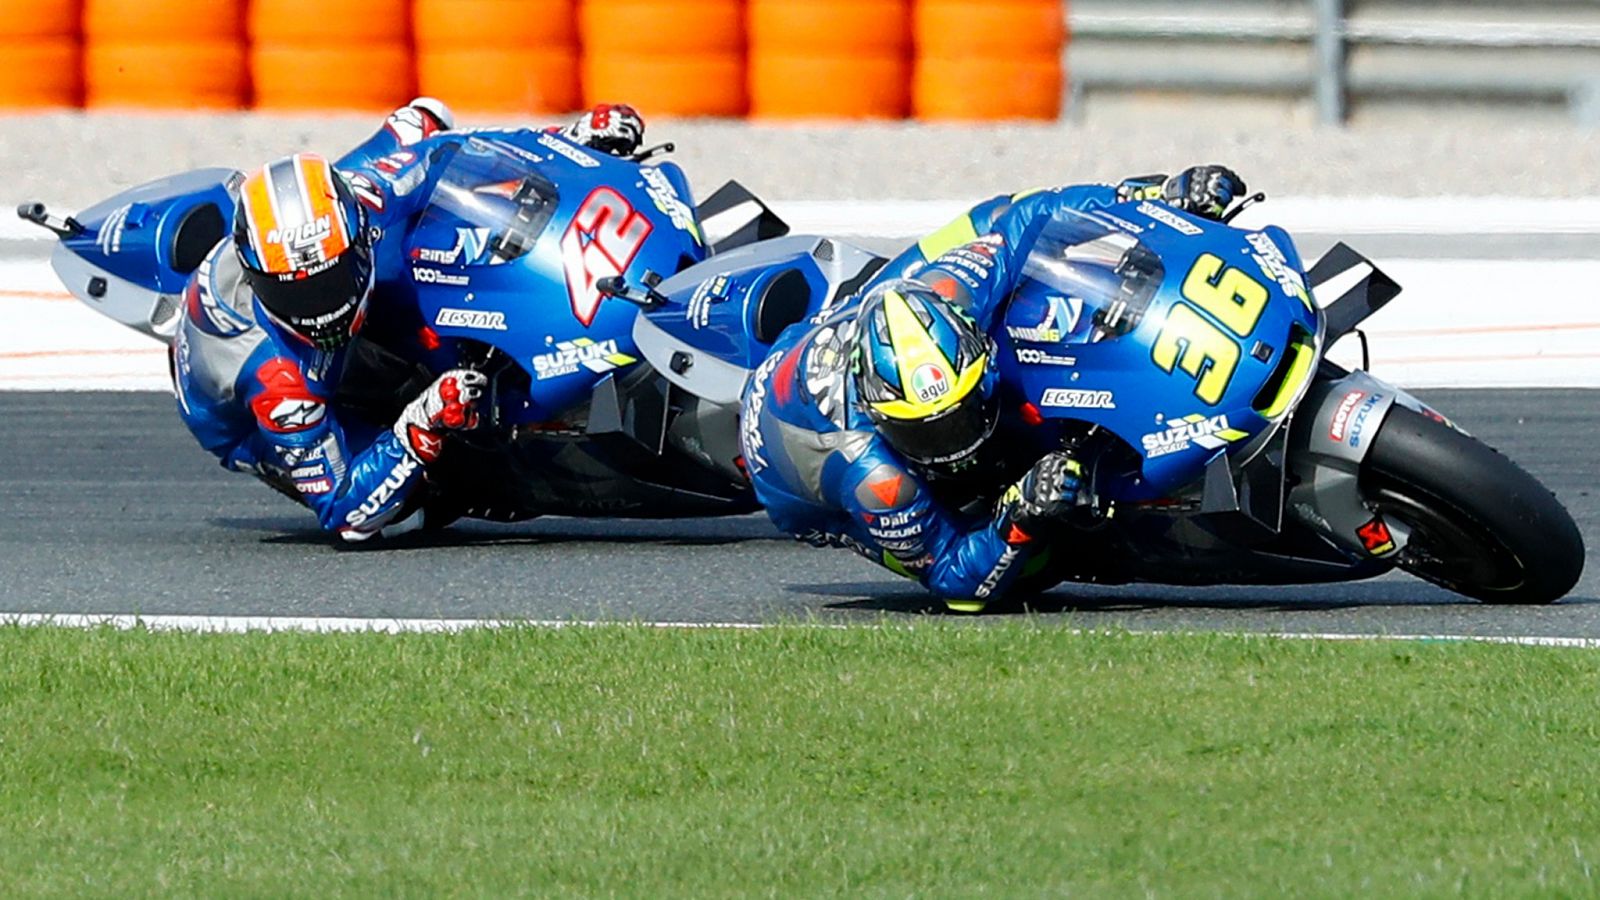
(614, 128)
(1041, 499)
(446, 405)
(1206, 191)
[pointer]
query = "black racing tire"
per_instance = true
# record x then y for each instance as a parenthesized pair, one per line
(1480, 525)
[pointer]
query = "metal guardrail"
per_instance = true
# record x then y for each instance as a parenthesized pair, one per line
(1330, 32)
(1268, 28)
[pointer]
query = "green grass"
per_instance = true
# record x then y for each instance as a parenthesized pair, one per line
(933, 760)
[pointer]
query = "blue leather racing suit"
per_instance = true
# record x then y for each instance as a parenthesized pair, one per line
(260, 398)
(822, 471)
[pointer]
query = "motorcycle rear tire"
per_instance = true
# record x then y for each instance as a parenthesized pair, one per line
(1480, 525)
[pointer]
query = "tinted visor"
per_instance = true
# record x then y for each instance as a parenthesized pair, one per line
(949, 437)
(320, 307)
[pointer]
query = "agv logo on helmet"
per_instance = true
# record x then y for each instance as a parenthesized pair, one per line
(929, 382)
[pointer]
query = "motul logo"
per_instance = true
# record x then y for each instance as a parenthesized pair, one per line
(1341, 416)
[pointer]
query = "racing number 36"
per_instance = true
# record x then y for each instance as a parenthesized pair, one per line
(604, 237)
(1193, 342)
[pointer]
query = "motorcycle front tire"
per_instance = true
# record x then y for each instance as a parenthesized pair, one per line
(1480, 525)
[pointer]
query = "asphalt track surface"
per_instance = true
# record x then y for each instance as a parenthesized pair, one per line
(112, 508)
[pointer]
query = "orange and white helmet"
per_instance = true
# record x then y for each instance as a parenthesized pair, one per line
(303, 241)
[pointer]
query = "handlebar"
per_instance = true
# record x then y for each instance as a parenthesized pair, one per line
(648, 152)
(36, 213)
(1245, 204)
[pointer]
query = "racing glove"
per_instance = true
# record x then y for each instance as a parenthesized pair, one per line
(614, 128)
(446, 405)
(1041, 499)
(443, 118)
(1202, 190)
(422, 118)
(1205, 191)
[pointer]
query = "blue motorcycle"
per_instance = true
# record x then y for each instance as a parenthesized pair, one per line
(506, 271)
(1184, 359)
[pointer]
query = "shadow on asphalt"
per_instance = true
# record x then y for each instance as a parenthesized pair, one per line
(287, 531)
(1144, 598)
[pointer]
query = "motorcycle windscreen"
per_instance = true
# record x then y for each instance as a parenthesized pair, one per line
(1079, 338)
(494, 203)
(1087, 264)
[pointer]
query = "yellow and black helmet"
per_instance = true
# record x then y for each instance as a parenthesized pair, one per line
(924, 373)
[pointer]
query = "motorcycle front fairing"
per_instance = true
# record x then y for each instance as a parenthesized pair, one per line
(1294, 512)
(519, 230)
(1188, 340)
(129, 256)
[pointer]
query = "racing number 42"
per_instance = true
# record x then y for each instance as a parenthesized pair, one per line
(604, 237)
(1193, 342)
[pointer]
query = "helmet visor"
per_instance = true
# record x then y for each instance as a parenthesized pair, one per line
(320, 305)
(949, 437)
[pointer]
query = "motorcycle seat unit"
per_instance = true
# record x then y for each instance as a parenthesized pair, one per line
(136, 250)
(721, 321)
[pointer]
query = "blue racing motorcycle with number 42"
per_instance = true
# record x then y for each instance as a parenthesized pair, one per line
(501, 271)
(1181, 359)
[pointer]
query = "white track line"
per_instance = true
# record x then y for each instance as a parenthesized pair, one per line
(314, 624)
(345, 625)
(1517, 639)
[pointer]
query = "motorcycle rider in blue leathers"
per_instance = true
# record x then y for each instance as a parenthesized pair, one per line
(268, 318)
(856, 427)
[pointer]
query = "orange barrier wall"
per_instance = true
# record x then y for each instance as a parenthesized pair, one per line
(331, 54)
(829, 58)
(988, 59)
(666, 57)
(39, 41)
(498, 56)
(770, 59)
(164, 54)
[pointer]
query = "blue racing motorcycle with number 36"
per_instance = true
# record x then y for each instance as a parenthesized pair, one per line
(1183, 361)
